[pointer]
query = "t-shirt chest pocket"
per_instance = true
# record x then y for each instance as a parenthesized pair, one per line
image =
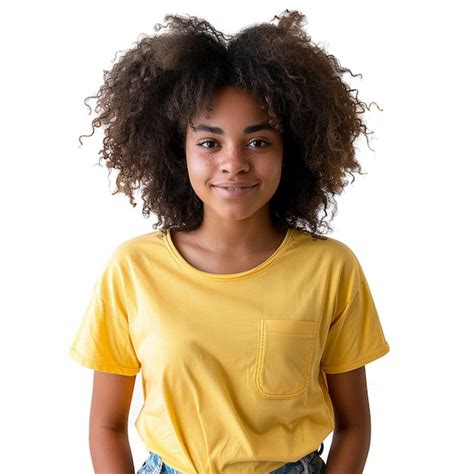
(285, 357)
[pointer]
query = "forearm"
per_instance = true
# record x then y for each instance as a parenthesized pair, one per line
(349, 450)
(110, 452)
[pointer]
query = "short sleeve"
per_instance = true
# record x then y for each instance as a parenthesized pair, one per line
(355, 335)
(102, 341)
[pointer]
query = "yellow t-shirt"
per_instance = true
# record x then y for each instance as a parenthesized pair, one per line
(233, 365)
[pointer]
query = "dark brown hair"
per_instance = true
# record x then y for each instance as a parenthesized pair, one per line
(152, 92)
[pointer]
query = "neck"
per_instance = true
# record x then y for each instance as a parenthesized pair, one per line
(238, 238)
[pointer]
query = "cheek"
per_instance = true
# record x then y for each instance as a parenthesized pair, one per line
(272, 169)
(198, 170)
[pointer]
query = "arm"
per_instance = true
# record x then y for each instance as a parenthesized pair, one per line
(108, 423)
(351, 438)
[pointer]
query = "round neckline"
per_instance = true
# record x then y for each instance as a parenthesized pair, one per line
(229, 276)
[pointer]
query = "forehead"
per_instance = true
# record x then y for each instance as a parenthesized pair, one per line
(231, 102)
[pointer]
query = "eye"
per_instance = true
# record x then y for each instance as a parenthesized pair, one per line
(202, 144)
(261, 141)
(206, 141)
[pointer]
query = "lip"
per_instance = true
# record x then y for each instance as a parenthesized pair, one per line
(234, 184)
(237, 193)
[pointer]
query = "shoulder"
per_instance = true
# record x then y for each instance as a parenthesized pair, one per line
(327, 248)
(140, 247)
(329, 260)
(138, 243)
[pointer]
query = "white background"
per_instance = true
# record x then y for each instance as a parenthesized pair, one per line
(409, 220)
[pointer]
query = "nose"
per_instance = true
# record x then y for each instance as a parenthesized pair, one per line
(234, 161)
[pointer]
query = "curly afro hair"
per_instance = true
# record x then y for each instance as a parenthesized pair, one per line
(152, 92)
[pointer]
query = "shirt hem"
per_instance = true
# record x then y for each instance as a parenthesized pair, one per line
(337, 369)
(100, 367)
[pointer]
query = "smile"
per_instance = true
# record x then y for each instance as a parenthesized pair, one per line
(234, 191)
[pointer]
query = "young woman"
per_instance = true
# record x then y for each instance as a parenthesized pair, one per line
(250, 328)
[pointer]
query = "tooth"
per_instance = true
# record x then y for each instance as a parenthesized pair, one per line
(236, 187)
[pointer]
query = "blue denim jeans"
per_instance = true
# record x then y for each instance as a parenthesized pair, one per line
(312, 463)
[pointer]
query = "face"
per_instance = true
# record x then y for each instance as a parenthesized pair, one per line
(234, 144)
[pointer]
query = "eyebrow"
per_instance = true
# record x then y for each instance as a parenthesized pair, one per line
(250, 129)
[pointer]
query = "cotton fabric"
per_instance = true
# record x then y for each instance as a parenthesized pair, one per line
(233, 366)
